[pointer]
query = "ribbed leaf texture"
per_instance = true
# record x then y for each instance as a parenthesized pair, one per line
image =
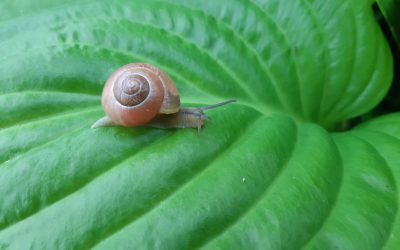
(268, 172)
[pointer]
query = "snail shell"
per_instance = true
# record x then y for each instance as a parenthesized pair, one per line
(137, 92)
(141, 94)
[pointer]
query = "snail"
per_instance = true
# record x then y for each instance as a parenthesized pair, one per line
(139, 94)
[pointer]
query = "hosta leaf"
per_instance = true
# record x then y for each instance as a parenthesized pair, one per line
(368, 201)
(263, 173)
(390, 10)
(366, 206)
(320, 61)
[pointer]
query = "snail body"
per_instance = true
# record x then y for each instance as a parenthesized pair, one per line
(140, 94)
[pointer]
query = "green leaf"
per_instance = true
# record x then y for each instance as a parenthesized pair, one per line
(369, 201)
(263, 173)
(390, 10)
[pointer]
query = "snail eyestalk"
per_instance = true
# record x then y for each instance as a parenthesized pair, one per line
(213, 106)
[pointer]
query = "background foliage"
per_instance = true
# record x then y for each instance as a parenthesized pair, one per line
(267, 172)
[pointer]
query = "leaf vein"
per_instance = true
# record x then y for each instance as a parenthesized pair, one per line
(257, 201)
(179, 188)
(280, 29)
(47, 117)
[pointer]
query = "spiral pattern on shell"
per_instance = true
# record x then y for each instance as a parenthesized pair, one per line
(137, 92)
(131, 90)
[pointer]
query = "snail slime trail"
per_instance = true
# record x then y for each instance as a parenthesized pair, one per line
(139, 94)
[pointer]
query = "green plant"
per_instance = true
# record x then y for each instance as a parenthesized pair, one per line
(269, 172)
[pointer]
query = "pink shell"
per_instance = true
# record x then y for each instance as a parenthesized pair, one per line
(162, 98)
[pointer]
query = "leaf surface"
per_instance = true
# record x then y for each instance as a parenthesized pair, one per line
(264, 173)
(390, 10)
